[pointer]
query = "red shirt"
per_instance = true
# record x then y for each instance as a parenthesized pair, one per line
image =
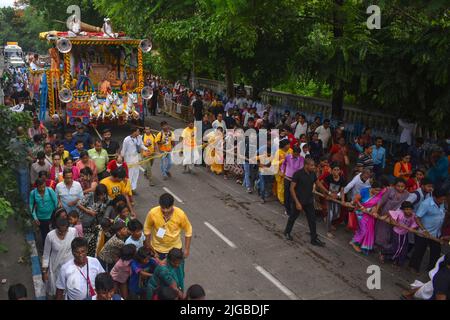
(292, 140)
(112, 165)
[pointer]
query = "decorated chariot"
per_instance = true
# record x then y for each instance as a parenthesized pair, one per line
(95, 75)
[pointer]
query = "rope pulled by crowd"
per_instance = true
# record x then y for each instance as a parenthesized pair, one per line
(382, 218)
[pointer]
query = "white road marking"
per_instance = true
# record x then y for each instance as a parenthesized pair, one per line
(220, 235)
(276, 282)
(173, 194)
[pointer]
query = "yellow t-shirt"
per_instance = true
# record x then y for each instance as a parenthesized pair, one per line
(65, 155)
(172, 237)
(164, 140)
(188, 136)
(149, 142)
(116, 188)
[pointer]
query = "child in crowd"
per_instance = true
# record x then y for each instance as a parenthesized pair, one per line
(406, 217)
(122, 270)
(110, 253)
(137, 237)
(142, 268)
(124, 214)
(333, 186)
(74, 221)
(105, 234)
(111, 211)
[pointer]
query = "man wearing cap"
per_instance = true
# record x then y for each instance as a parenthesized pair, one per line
(81, 135)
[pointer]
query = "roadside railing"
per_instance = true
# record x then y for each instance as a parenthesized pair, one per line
(355, 118)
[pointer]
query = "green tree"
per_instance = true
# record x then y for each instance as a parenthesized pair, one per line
(22, 26)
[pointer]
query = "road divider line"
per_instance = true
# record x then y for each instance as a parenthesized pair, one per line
(173, 194)
(220, 235)
(276, 282)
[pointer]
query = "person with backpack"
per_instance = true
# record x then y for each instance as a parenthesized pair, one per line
(43, 202)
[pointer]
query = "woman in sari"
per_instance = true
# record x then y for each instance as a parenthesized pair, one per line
(214, 151)
(391, 200)
(367, 198)
(92, 208)
(57, 251)
(170, 273)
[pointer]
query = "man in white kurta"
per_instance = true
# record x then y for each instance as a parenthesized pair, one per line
(131, 150)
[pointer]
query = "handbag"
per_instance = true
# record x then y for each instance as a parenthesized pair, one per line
(352, 221)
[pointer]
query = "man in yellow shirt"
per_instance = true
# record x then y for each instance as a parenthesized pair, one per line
(118, 184)
(163, 226)
(190, 150)
(165, 140)
(149, 141)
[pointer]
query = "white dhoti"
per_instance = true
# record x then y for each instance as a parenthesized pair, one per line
(191, 156)
(133, 169)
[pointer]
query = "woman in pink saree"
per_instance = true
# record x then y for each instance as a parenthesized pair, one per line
(364, 238)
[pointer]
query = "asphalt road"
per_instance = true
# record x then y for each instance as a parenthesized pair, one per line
(238, 250)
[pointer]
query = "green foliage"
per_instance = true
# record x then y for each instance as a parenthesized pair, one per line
(10, 202)
(23, 26)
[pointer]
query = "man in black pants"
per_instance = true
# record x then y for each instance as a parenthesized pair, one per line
(303, 200)
(431, 214)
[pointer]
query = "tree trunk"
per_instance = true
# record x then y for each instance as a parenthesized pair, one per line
(337, 102)
(229, 78)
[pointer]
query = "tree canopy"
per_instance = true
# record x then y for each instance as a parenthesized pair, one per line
(402, 68)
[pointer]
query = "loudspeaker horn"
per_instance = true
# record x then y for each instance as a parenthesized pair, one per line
(65, 95)
(147, 93)
(146, 45)
(64, 45)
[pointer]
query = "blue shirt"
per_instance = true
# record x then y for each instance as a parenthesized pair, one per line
(379, 156)
(69, 145)
(75, 155)
(439, 172)
(432, 216)
(136, 268)
(42, 207)
(85, 137)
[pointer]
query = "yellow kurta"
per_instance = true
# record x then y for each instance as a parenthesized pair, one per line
(278, 160)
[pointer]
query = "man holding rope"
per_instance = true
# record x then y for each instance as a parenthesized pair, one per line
(302, 186)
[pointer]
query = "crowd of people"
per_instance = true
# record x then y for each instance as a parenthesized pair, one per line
(382, 198)
(80, 192)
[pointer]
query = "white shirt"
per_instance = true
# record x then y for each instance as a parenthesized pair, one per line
(356, 185)
(131, 149)
(299, 129)
(324, 135)
(407, 132)
(72, 279)
(218, 123)
(259, 108)
(67, 195)
(138, 244)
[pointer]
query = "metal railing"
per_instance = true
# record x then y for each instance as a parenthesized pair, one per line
(355, 118)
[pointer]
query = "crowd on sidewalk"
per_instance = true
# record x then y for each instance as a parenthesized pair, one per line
(81, 195)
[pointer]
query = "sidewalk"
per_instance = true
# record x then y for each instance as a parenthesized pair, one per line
(15, 265)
